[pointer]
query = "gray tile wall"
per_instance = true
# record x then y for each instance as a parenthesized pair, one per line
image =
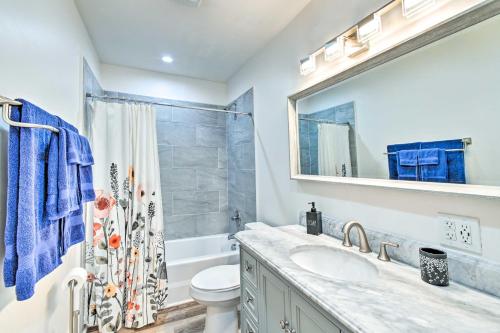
(193, 166)
(241, 161)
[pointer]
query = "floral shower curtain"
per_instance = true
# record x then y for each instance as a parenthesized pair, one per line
(125, 249)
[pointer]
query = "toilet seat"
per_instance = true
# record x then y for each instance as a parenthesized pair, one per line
(218, 278)
(220, 284)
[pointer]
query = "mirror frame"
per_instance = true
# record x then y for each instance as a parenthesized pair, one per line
(449, 27)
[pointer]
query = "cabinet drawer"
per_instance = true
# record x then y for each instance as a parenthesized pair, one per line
(247, 324)
(249, 299)
(249, 268)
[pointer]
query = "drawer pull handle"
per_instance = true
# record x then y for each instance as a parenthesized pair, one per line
(249, 299)
(248, 267)
(284, 324)
(290, 331)
(249, 330)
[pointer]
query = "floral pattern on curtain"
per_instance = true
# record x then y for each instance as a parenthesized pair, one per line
(125, 254)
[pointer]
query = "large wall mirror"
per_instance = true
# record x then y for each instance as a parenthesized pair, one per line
(427, 119)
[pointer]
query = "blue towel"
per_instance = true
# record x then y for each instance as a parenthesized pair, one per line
(407, 164)
(74, 184)
(428, 156)
(34, 242)
(455, 159)
(37, 238)
(85, 171)
(393, 157)
(62, 194)
(433, 165)
(10, 261)
(79, 155)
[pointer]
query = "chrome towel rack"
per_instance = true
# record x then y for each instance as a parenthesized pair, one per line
(7, 103)
(466, 141)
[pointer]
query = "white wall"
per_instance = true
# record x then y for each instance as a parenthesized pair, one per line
(274, 74)
(155, 84)
(43, 45)
(428, 96)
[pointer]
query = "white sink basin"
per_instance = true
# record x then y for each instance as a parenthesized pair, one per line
(334, 263)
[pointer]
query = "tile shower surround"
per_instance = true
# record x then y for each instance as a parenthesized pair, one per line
(467, 269)
(193, 170)
(241, 161)
(207, 166)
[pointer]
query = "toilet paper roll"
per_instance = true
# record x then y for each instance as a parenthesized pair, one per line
(79, 275)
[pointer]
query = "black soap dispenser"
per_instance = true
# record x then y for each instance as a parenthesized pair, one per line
(314, 223)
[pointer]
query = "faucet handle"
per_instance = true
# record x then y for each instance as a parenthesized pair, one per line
(382, 255)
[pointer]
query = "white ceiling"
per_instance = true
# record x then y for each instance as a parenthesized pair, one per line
(209, 42)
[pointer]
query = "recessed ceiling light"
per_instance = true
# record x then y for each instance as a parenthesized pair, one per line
(190, 3)
(167, 59)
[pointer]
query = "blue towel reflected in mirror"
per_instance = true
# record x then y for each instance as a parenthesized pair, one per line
(440, 161)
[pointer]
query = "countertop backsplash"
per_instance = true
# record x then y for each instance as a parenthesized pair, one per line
(464, 268)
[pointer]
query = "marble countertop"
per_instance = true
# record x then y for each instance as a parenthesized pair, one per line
(398, 301)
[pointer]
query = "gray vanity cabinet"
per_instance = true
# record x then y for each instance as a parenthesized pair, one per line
(278, 307)
(274, 306)
(306, 319)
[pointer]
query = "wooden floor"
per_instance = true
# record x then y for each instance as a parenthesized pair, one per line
(186, 318)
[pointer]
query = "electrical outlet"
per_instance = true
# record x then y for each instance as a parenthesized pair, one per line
(450, 232)
(465, 234)
(460, 232)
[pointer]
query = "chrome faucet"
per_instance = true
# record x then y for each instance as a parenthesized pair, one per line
(237, 219)
(363, 241)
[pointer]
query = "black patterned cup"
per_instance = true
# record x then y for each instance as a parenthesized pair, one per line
(434, 266)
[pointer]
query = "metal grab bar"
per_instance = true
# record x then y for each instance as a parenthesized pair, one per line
(73, 314)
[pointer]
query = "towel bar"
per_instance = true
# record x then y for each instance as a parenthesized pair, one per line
(6, 105)
(466, 141)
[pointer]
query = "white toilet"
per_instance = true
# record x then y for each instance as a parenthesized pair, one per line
(219, 289)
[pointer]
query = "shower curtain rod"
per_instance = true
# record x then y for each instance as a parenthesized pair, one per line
(325, 121)
(168, 104)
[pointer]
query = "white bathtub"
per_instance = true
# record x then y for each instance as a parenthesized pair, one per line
(186, 257)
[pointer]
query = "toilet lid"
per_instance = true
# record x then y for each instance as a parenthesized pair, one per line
(218, 278)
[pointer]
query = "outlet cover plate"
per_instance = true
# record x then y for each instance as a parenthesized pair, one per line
(460, 232)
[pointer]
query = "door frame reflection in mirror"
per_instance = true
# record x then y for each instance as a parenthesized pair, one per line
(462, 21)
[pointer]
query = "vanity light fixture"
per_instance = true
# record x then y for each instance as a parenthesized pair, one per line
(308, 65)
(334, 49)
(369, 27)
(414, 7)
